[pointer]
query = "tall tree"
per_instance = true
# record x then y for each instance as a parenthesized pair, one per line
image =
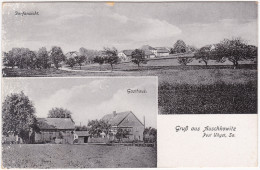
(43, 59)
(138, 57)
(179, 47)
(18, 115)
(234, 50)
(111, 56)
(98, 126)
(204, 54)
(71, 62)
(59, 113)
(57, 56)
(100, 60)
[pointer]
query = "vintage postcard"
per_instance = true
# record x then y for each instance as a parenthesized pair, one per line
(201, 54)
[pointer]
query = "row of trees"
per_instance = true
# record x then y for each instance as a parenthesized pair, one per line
(234, 50)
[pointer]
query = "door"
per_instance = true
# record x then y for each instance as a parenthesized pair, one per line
(86, 139)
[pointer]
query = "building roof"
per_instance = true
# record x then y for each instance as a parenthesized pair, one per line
(116, 118)
(82, 133)
(72, 54)
(148, 52)
(162, 50)
(55, 123)
(128, 52)
(147, 47)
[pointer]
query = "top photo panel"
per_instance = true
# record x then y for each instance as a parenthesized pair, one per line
(204, 53)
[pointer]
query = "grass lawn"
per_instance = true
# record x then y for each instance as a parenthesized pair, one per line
(77, 156)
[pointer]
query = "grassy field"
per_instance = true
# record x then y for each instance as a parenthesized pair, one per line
(77, 156)
(192, 89)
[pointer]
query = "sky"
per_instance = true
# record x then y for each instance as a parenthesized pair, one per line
(73, 25)
(89, 98)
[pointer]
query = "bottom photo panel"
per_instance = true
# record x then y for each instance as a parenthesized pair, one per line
(79, 122)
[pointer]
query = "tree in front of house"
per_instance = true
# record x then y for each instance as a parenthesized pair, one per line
(59, 113)
(111, 56)
(100, 60)
(71, 62)
(150, 134)
(18, 116)
(204, 54)
(80, 60)
(57, 56)
(179, 47)
(138, 57)
(96, 127)
(234, 50)
(184, 60)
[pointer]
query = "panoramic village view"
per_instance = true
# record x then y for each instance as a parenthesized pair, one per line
(77, 125)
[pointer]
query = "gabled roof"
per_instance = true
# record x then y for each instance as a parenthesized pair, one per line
(55, 123)
(162, 50)
(82, 133)
(127, 52)
(116, 118)
(147, 47)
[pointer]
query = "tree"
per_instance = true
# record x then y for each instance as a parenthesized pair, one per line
(100, 60)
(98, 126)
(184, 60)
(234, 50)
(71, 62)
(57, 56)
(204, 54)
(18, 115)
(138, 57)
(179, 47)
(59, 113)
(43, 59)
(89, 54)
(81, 128)
(151, 133)
(79, 60)
(111, 56)
(9, 59)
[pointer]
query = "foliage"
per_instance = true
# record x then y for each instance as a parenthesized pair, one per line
(100, 60)
(18, 115)
(89, 54)
(184, 60)
(43, 59)
(179, 47)
(121, 133)
(81, 128)
(151, 133)
(110, 56)
(234, 50)
(98, 126)
(71, 62)
(9, 59)
(204, 54)
(138, 57)
(59, 113)
(57, 56)
(80, 60)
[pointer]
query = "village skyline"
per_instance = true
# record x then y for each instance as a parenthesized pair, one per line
(89, 99)
(98, 25)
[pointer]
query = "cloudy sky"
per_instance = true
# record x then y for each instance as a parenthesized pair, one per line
(126, 25)
(88, 98)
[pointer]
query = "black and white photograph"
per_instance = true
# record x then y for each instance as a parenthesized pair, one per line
(204, 53)
(79, 122)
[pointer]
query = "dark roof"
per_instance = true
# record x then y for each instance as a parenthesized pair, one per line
(55, 123)
(116, 118)
(128, 52)
(82, 133)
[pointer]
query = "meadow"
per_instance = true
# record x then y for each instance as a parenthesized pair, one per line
(77, 156)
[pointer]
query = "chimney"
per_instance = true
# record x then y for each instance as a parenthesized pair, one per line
(114, 113)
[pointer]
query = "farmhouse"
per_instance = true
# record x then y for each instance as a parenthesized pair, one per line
(125, 55)
(126, 121)
(55, 130)
(147, 47)
(162, 52)
(149, 54)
